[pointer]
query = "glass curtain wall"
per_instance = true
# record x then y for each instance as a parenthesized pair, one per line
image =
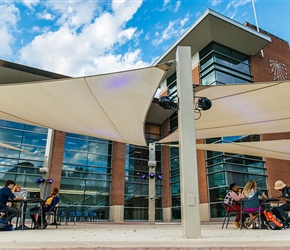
(221, 65)
(137, 176)
(86, 175)
(174, 156)
(20, 166)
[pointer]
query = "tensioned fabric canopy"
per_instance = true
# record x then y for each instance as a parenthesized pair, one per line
(255, 108)
(278, 149)
(242, 109)
(109, 106)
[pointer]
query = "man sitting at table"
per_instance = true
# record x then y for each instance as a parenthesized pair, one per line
(6, 195)
(281, 212)
(231, 202)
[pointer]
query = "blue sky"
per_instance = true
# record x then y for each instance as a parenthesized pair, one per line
(80, 38)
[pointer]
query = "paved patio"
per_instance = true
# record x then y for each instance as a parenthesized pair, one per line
(93, 235)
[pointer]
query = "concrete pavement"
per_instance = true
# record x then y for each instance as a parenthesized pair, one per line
(106, 235)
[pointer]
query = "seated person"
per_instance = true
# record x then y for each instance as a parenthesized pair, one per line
(17, 188)
(49, 203)
(252, 205)
(231, 202)
(5, 195)
(281, 212)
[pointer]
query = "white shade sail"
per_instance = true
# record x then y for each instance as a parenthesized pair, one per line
(110, 106)
(278, 149)
(255, 108)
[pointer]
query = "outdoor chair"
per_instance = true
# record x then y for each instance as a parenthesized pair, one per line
(229, 212)
(252, 220)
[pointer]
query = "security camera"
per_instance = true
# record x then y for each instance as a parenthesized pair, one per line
(43, 170)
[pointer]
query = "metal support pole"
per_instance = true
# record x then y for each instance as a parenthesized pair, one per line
(190, 214)
(44, 192)
(151, 195)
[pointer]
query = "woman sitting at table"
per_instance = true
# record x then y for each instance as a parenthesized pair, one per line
(252, 205)
(48, 205)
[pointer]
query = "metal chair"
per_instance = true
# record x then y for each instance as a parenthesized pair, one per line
(229, 212)
(253, 220)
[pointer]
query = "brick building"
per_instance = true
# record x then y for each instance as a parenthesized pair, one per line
(109, 178)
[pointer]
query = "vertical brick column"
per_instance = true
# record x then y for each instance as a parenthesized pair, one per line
(118, 182)
(57, 158)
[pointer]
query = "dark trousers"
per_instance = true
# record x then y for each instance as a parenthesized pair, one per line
(12, 212)
(281, 212)
(34, 211)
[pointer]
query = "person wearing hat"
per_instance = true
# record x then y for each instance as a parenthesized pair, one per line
(281, 212)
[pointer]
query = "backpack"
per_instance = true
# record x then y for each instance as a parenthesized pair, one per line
(273, 224)
(4, 226)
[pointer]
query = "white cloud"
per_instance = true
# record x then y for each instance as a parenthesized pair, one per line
(85, 45)
(8, 22)
(215, 2)
(45, 15)
(173, 29)
(29, 3)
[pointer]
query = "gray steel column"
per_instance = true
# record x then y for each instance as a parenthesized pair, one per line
(151, 195)
(44, 192)
(190, 214)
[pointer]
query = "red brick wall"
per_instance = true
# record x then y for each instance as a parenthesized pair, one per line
(57, 158)
(118, 174)
(277, 50)
(276, 169)
(202, 179)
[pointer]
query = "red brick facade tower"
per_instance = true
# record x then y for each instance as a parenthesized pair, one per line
(118, 182)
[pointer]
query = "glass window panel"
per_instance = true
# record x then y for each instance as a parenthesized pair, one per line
(98, 160)
(176, 213)
(224, 60)
(241, 67)
(175, 188)
(136, 189)
(76, 144)
(136, 201)
(9, 124)
(131, 213)
(217, 210)
(75, 158)
(208, 79)
(218, 194)
(224, 78)
(37, 154)
(175, 201)
(98, 147)
(216, 168)
(9, 153)
(175, 173)
(77, 136)
(205, 62)
(10, 136)
(217, 179)
(34, 139)
(222, 49)
(206, 50)
(35, 128)
(240, 57)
